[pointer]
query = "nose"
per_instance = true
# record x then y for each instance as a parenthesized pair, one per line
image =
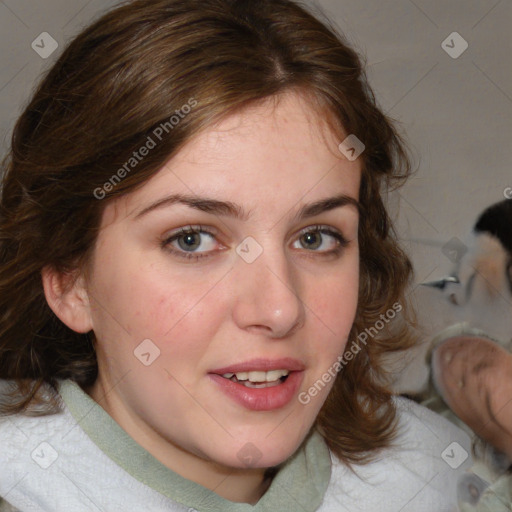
(267, 296)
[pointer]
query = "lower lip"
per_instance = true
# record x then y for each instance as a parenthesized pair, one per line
(261, 399)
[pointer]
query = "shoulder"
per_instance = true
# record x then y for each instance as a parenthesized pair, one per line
(418, 473)
(49, 463)
(23, 439)
(37, 421)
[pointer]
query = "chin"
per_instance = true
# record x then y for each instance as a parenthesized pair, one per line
(263, 450)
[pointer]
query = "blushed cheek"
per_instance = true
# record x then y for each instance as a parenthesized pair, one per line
(336, 306)
(184, 331)
(171, 301)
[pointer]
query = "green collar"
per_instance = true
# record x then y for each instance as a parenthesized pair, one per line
(299, 485)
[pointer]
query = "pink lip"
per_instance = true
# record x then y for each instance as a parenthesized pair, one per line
(262, 365)
(261, 399)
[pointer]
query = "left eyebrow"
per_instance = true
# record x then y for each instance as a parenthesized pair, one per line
(324, 205)
(216, 207)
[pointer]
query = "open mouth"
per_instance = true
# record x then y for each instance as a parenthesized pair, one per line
(258, 379)
(260, 390)
(261, 384)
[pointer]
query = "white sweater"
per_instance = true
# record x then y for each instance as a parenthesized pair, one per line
(81, 460)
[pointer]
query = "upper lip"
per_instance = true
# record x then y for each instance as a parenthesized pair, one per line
(262, 365)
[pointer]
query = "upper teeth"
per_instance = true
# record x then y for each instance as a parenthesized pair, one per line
(270, 376)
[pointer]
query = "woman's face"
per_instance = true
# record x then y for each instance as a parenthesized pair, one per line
(240, 255)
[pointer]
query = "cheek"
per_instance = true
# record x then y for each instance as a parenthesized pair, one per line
(335, 301)
(182, 324)
(333, 317)
(337, 304)
(143, 301)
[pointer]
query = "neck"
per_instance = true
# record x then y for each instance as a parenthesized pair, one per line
(234, 484)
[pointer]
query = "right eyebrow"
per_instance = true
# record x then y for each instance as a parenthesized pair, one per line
(207, 205)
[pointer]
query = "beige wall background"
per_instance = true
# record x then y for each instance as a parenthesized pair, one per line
(456, 112)
(454, 103)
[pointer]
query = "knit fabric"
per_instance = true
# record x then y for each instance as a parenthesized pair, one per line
(81, 460)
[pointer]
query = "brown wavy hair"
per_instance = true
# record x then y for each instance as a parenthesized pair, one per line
(111, 88)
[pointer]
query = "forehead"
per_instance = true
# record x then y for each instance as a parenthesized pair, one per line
(290, 116)
(280, 151)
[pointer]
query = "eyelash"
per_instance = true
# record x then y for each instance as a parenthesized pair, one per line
(188, 230)
(342, 242)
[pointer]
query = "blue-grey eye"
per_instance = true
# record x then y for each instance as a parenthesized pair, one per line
(189, 241)
(320, 240)
(192, 241)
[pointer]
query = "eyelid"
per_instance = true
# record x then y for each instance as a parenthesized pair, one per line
(168, 238)
(325, 229)
(328, 230)
(188, 229)
(319, 227)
